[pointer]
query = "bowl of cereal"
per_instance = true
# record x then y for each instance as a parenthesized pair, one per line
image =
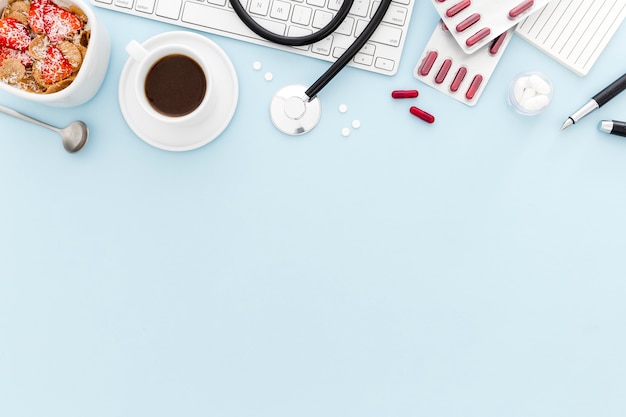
(53, 52)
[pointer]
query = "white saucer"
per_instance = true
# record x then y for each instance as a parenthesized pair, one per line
(225, 93)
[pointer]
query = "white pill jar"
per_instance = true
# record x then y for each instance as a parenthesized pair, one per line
(530, 93)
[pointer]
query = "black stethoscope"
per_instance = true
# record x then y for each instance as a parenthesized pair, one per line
(295, 109)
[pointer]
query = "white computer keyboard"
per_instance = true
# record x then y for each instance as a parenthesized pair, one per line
(288, 17)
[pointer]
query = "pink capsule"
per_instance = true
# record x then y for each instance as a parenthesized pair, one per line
(474, 86)
(404, 93)
(458, 79)
(473, 19)
(427, 63)
(520, 8)
(457, 8)
(421, 114)
(477, 37)
(443, 71)
(497, 43)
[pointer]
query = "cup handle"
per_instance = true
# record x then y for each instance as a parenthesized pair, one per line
(136, 51)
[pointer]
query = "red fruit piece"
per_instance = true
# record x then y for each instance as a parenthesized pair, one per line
(24, 57)
(13, 34)
(55, 66)
(59, 23)
(36, 15)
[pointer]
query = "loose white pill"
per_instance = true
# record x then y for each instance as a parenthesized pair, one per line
(523, 82)
(519, 87)
(343, 108)
(269, 76)
(257, 65)
(528, 93)
(356, 124)
(345, 132)
(539, 84)
(535, 103)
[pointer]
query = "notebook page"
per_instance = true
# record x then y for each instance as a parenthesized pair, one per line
(574, 32)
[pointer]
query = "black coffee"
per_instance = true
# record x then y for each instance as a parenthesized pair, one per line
(175, 85)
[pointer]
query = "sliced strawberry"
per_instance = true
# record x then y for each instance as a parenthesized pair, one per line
(36, 15)
(13, 34)
(59, 23)
(24, 57)
(55, 66)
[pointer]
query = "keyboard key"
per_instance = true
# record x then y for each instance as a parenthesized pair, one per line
(363, 59)
(334, 4)
(260, 7)
(360, 7)
(396, 15)
(145, 6)
(384, 64)
(301, 15)
(346, 27)
(169, 9)
(297, 31)
(323, 47)
(124, 3)
(387, 35)
(368, 49)
(273, 26)
(280, 10)
(337, 52)
(321, 18)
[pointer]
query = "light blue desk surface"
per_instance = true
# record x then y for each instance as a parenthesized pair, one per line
(469, 268)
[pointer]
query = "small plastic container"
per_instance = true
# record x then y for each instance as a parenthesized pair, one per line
(530, 93)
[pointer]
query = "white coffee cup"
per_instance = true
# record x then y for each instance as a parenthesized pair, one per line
(92, 71)
(147, 61)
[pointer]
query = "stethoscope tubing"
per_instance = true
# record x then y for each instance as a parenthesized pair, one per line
(349, 53)
(317, 36)
(342, 61)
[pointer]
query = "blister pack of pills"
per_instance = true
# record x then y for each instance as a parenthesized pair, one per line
(447, 68)
(475, 23)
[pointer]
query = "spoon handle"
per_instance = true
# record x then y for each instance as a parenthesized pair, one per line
(19, 115)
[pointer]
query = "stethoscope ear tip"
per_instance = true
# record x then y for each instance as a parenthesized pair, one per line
(293, 112)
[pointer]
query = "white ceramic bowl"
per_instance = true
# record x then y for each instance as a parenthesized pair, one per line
(91, 74)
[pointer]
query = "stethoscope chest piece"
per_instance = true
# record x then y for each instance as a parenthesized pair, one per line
(292, 111)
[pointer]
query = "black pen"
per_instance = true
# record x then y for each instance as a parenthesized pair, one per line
(613, 127)
(597, 101)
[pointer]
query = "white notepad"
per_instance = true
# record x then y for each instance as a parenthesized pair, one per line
(574, 32)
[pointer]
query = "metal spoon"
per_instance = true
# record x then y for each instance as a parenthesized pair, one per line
(74, 136)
